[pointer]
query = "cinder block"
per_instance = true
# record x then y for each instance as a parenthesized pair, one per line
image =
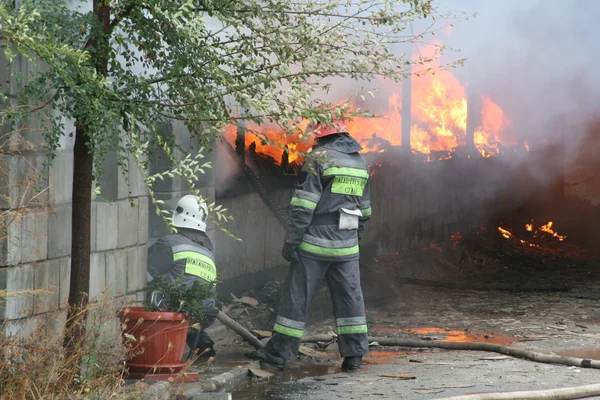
(34, 236)
(66, 141)
(18, 282)
(161, 163)
(97, 275)
(55, 324)
(25, 179)
(93, 232)
(61, 177)
(127, 301)
(59, 232)
(106, 225)
(156, 224)
(116, 272)
(143, 219)
(23, 327)
(143, 263)
(64, 281)
(137, 186)
(10, 240)
(8, 193)
(128, 223)
(136, 268)
(5, 73)
(104, 327)
(109, 181)
(46, 284)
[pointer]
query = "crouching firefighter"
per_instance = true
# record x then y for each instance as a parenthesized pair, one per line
(187, 255)
(330, 207)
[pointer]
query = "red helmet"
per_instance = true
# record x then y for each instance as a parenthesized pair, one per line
(321, 130)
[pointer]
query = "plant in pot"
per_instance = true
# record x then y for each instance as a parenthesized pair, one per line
(155, 333)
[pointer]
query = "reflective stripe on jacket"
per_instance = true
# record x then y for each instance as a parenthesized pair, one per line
(335, 176)
(178, 257)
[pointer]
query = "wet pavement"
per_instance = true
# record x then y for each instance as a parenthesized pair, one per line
(560, 323)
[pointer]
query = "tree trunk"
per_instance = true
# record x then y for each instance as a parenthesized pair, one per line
(81, 236)
(81, 226)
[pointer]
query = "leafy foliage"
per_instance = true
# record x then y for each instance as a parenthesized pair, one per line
(208, 63)
(179, 297)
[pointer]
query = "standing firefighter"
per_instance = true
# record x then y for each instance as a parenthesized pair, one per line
(330, 206)
(187, 255)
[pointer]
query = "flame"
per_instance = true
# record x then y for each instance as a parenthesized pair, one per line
(493, 129)
(506, 233)
(531, 228)
(275, 143)
(548, 229)
(438, 117)
(456, 238)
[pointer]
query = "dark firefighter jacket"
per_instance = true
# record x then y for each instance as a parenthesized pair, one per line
(186, 255)
(336, 176)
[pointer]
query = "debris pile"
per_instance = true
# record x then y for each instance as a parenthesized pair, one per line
(530, 258)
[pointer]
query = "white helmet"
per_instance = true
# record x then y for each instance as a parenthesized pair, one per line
(191, 212)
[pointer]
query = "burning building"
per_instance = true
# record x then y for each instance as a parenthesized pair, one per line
(435, 110)
(451, 155)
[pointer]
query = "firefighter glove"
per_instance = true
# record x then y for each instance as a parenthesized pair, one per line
(288, 251)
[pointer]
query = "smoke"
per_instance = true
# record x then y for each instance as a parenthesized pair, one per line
(536, 59)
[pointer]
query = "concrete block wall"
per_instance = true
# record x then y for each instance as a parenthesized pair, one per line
(261, 232)
(35, 248)
(36, 251)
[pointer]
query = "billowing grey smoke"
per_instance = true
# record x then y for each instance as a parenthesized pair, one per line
(538, 60)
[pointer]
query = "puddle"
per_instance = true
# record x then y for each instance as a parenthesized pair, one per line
(292, 383)
(303, 375)
(593, 354)
(450, 335)
(226, 359)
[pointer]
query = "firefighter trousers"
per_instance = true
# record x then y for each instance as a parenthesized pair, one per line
(303, 280)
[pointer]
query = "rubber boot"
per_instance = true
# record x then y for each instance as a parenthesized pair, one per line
(267, 358)
(204, 346)
(352, 363)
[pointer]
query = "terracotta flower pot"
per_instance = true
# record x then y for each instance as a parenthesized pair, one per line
(159, 339)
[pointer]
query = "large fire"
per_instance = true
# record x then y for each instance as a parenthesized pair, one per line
(438, 117)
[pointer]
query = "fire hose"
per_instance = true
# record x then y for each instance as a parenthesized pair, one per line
(240, 330)
(477, 346)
